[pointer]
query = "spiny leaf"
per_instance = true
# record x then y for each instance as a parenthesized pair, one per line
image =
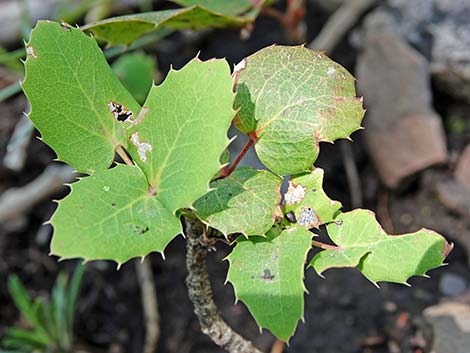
(380, 257)
(126, 29)
(267, 274)
(306, 198)
(112, 215)
(293, 98)
(136, 72)
(246, 202)
(179, 141)
(70, 86)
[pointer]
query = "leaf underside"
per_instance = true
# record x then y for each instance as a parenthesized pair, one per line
(126, 29)
(225, 207)
(230, 8)
(380, 257)
(267, 275)
(293, 98)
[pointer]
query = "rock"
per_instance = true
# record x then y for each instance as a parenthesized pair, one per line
(454, 196)
(404, 135)
(451, 327)
(462, 170)
(452, 285)
(438, 29)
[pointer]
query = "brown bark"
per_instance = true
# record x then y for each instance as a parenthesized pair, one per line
(200, 293)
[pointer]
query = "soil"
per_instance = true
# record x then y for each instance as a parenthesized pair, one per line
(343, 313)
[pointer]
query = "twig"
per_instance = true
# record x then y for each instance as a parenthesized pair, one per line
(383, 213)
(200, 293)
(278, 346)
(339, 23)
(227, 172)
(324, 246)
(352, 174)
(15, 202)
(120, 151)
(149, 305)
(15, 156)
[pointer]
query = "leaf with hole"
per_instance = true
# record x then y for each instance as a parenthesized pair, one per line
(293, 98)
(362, 243)
(267, 275)
(225, 207)
(308, 202)
(70, 87)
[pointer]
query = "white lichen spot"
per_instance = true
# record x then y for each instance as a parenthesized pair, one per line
(308, 218)
(331, 71)
(105, 188)
(294, 194)
(30, 52)
(142, 147)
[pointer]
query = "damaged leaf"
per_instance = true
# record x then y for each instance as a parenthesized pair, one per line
(267, 274)
(225, 207)
(293, 98)
(362, 243)
(70, 86)
(307, 200)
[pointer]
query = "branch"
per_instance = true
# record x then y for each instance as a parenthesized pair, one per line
(149, 305)
(339, 23)
(15, 202)
(200, 293)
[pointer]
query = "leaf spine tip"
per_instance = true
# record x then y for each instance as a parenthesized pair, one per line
(119, 265)
(163, 255)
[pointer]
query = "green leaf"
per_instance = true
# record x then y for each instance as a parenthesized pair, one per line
(136, 72)
(126, 29)
(180, 139)
(112, 215)
(267, 274)
(70, 86)
(230, 8)
(306, 198)
(380, 257)
(293, 98)
(246, 202)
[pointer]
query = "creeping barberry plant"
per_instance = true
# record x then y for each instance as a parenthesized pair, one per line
(285, 99)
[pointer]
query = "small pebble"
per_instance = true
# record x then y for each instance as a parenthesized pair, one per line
(452, 285)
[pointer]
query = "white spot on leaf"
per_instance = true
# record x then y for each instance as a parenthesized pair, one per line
(331, 71)
(308, 218)
(294, 194)
(30, 51)
(142, 147)
(106, 188)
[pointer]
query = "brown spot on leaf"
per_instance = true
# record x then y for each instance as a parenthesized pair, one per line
(267, 275)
